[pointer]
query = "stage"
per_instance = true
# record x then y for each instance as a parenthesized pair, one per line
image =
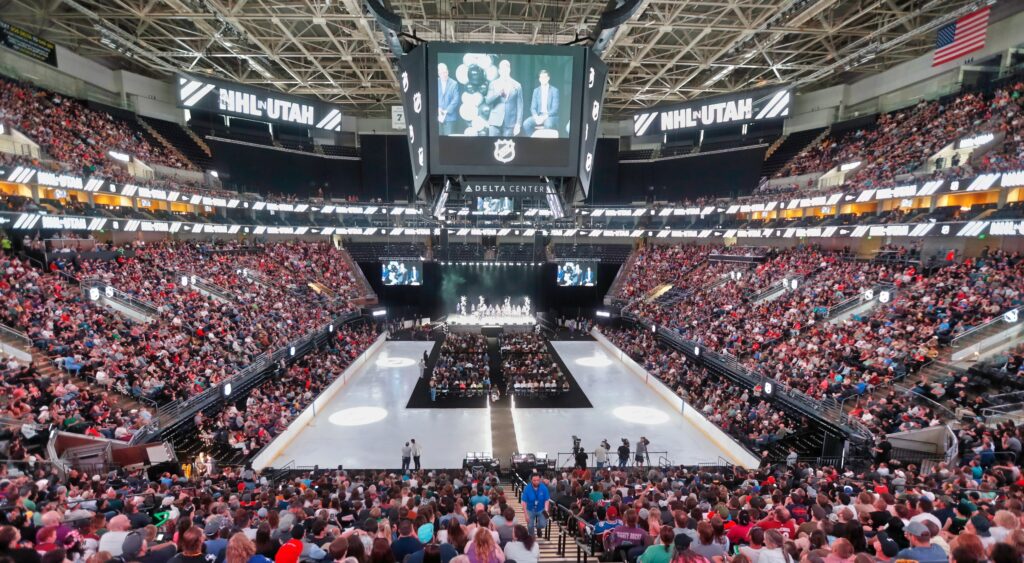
(365, 424)
(491, 320)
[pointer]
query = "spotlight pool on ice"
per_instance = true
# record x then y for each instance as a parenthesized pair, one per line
(358, 416)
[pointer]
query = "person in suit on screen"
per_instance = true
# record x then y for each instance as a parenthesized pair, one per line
(543, 106)
(447, 100)
(505, 97)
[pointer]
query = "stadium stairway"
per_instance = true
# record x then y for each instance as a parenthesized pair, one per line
(180, 140)
(548, 547)
(794, 144)
(46, 369)
(163, 141)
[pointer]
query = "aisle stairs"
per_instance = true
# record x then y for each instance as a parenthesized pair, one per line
(549, 541)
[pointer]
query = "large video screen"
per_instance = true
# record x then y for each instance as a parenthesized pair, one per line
(577, 274)
(401, 272)
(504, 108)
(494, 204)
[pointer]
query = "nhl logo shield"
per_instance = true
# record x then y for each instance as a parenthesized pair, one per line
(504, 150)
(417, 102)
(405, 81)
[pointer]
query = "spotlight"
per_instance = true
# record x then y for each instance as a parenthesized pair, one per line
(291, 351)
(227, 389)
(603, 314)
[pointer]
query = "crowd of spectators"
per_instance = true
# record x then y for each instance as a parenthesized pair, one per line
(900, 142)
(271, 407)
(463, 367)
(528, 367)
(741, 413)
(792, 339)
(69, 331)
(198, 339)
(71, 132)
(780, 513)
(193, 341)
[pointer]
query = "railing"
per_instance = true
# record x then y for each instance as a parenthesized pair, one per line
(258, 277)
(613, 290)
(207, 286)
(111, 292)
(861, 298)
(16, 336)
(960, 342)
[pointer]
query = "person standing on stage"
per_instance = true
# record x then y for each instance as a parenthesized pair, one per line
(406, 456)
(624, 453)
(601, 454)
(416, 451)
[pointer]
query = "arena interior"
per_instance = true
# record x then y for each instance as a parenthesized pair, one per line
(465, 281)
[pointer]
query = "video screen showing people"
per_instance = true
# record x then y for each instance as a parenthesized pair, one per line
(577, 274)
(506, 95)
(494, 205)
(401, 272)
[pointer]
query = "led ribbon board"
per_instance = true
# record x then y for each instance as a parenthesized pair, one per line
(764, 104)
(229, 98)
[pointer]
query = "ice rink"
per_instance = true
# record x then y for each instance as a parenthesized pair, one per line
(365, 424)
(624, 407)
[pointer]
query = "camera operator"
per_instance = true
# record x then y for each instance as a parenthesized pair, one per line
(581, 458)
(641, 452)
(601, 454)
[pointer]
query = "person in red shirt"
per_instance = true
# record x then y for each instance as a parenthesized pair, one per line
(292, 549)
(779, 520)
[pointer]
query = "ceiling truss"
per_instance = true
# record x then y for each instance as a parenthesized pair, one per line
(670, 50)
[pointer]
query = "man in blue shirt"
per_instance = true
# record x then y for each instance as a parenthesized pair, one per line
(479, 498)
(535, 504)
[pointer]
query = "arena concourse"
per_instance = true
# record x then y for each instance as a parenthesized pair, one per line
(535, 281)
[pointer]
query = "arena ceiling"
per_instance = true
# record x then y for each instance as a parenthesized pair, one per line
(670, 50)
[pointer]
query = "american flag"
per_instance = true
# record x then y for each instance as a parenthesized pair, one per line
(965, 35)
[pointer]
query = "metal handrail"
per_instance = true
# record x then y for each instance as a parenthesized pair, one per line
(16, 335)
(207, 286)
(958, 340)
(138, 303)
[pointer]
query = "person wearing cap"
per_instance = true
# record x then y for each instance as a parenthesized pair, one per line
(981, 527)
(921, 547)
(609, 522)
(885, 547)
(134, 548)
(216, 538)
